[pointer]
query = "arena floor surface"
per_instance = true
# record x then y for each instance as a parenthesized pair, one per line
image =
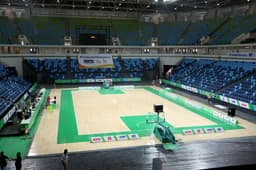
(82, 114)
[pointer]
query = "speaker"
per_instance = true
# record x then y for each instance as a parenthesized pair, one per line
(158, 108)
(231, 112)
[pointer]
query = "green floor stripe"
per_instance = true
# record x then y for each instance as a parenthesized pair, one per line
(11, 145)
(67, 130)
(110, 91)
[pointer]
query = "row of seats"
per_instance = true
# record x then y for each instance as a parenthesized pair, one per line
(199, 29)
(233, 28)
(3, 71)
(11, 89)
(123, 68)
(4, 105)
(243, 91)
(215, 75)
(51, 31)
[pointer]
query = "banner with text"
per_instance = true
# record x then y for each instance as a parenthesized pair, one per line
(242, 54)
(209, 94)
(95, 61)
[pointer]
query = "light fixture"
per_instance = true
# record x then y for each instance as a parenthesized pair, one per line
(33, 50)
(169, 1)
(76, 50)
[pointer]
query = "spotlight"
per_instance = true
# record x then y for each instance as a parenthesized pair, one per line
(76, 50)
(146, 50)
(33, 50)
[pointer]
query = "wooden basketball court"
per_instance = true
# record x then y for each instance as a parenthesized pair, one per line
(94, 113)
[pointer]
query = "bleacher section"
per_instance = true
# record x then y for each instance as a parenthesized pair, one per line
(200, 29)
(233, 28)
(43, 30)
(133, 33)
(232, 79)
(243, 91)
(51, 31)
(169, 33)
(123, 68)
(11, 89)
(8, 33)
(36, 64)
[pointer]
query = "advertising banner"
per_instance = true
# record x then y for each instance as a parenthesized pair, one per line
(95, 61)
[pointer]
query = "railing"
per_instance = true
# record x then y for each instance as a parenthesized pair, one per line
(244, 51)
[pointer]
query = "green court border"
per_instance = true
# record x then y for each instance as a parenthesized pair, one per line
(110, 91)
(68, 132)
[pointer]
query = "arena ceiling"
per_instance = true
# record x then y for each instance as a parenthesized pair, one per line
(127, 5)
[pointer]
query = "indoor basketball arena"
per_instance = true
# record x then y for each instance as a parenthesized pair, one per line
(127, 84)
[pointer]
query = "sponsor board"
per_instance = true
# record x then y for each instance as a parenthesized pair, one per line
(224, 118)
(198, 131)
(109, 138)
(208, 130)
(121, 137)
(133, 136)
(187, 132)
(95, 61)
(219, 129)
(96, 139)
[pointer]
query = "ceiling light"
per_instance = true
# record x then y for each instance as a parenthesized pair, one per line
(170, 1)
